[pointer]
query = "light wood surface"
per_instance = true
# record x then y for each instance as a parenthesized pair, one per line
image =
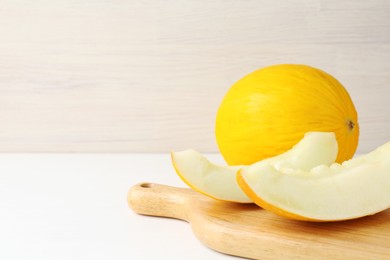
(249, 231)
(148, 76)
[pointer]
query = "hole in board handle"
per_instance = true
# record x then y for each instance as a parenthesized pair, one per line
(146, 185)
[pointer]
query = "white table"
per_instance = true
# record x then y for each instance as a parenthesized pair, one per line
(73, 206)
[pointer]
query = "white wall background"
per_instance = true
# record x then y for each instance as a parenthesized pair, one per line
(148, 76)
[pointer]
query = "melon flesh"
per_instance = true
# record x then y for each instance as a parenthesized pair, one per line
(219, 182)
(353, 189)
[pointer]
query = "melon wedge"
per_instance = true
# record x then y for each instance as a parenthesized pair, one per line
(215, 181)
(219, 182)
(353, 189)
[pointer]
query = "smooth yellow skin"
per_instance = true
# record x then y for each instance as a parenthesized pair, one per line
(268, 111)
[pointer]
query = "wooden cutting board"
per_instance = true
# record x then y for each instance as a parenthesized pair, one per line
(248, 231)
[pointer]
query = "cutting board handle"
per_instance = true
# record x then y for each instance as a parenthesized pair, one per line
(159, 200)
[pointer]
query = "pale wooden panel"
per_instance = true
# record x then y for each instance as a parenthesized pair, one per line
(148, 76)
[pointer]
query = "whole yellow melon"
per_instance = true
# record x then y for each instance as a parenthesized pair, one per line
(268, 111)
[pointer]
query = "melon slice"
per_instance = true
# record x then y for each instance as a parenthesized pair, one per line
(215, 181)
(219, 182)
(353, 189)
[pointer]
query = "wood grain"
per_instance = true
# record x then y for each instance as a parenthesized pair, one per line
(148, 76)
(249, 231)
